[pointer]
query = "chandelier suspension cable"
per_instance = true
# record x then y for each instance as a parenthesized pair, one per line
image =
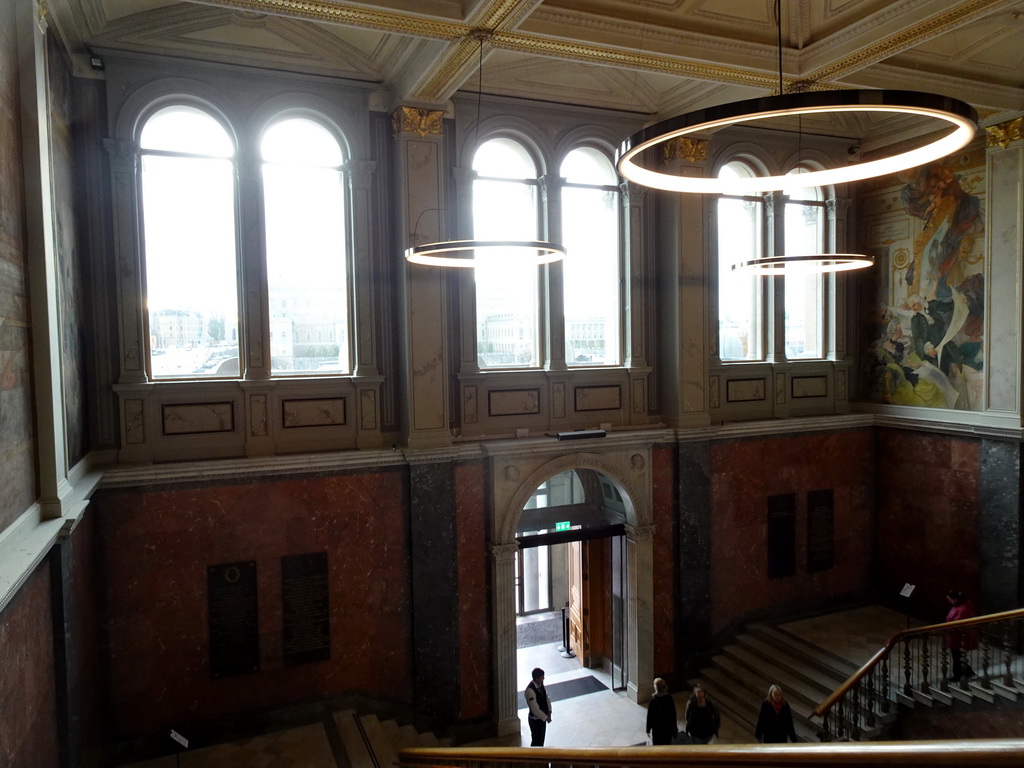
(464, 253)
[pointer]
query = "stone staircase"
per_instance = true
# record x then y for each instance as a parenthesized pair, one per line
(738, 680)
(371, 743)
(739, 677)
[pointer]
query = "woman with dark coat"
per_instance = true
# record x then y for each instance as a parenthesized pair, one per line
(775, 722)
(661, 715)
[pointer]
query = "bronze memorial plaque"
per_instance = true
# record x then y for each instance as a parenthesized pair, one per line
(305, 608)
(234, 618)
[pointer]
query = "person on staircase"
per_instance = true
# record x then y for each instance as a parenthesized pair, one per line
(775, 721)
(702, 717)
(960, 640)
(662, 723)
(540, 708)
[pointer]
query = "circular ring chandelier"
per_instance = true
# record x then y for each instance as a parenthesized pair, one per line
(462, 253)
(819, 262)
(943, 109)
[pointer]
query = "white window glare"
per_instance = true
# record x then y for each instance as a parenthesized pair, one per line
(739, 292)
(186, 130)
(307, 273)
(191, 266)
(590, 233)
(804, 291)
(300, 141)
(506, 207)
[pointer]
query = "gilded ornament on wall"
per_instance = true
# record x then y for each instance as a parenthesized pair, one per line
(1003, 134)
(422, 122)
(690, 150)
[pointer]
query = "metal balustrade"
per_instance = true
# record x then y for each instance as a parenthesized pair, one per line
(917, 666)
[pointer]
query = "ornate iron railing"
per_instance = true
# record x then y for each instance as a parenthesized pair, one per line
(917, 665)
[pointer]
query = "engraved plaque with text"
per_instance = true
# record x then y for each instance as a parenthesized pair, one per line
(305, 608)
(820, 530)
(234, 618)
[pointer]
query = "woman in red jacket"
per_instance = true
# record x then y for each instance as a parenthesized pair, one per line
(960, 640)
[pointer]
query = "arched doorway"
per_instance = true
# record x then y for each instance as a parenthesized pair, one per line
(517, 479)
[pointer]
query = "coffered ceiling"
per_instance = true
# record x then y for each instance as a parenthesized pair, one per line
(653, 57)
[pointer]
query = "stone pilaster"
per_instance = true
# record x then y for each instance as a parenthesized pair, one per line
(419, 168)
(640, 611)
(554, 274)
(775, 313)
(999, 503)
(506, 686)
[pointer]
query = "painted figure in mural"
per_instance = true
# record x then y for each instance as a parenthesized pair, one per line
(940, 364)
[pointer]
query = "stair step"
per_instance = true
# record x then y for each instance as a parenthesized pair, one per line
(352, 740)
(794, 665)
(380, 745)
(1010, 694)
(733, 696)
(775, 670)
(407, 736)
(809, 653)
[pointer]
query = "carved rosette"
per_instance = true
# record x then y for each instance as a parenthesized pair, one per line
(1004, 134)
(421, 121)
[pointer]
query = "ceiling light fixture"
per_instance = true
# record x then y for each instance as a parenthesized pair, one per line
(467, 253)
(637, 162)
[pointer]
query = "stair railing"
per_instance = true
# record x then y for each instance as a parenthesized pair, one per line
(978, 753)
(917, 665)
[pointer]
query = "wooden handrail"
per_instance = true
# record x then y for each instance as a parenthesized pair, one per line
(907, 634)
(879, 754)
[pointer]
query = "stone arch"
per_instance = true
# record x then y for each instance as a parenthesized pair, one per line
(515, 480)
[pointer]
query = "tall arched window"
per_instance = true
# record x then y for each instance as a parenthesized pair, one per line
(590, 233)
(740, 238)
(305, 218)
(804, 234)
(191, 261)
(506, 207)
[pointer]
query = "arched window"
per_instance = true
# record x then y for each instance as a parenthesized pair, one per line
(506, 207)
(187, 179)
(590, 233)
(305, 219)
(804, 234)
(740, 238)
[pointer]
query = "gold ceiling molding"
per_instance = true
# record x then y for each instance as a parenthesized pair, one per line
(685, 148)
(349, 16)
(1003, 134)
(443, 82)
(421, 121)
(957, 16)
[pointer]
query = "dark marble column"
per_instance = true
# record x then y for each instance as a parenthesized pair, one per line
(65, 661)
(999, 503)
(694, 550)
(434, 592)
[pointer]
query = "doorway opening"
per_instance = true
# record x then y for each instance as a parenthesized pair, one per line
(571, 584)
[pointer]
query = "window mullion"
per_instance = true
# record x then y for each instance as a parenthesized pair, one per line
(254, 301)
(552, 287)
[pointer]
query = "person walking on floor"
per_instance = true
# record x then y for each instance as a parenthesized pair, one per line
(702, 717)
(662, 724)
(540, 708)
(775, 722)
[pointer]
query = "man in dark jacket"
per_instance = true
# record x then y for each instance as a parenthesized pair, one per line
(540, 708)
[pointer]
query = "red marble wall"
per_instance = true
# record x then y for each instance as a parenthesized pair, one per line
(28, 708)
(473, 608)
(744, 474)
(154, 551)
(928, 517)
(662, 499)
(85, 653)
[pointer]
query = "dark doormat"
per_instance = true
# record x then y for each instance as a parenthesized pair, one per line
(539, 633)
(569, 689)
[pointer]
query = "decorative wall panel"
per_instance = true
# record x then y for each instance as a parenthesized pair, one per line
(326, 412)
(513, 402)
(198, 418)
(598, 398)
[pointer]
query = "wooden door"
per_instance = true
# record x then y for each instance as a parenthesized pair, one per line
(579, 601)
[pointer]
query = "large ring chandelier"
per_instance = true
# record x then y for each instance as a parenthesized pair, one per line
(944, 110)
(463, 253)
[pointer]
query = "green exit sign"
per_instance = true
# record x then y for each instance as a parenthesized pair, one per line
(563, 526)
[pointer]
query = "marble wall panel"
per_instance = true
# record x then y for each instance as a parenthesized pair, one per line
(694, 494)
(84, 665)
(663, 510)
(17, 471)
(744, 474)
(473, 607)
(928, 516)
(155, 545)
(28, 707)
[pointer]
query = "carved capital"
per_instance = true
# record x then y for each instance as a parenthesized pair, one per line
(640, 532)
(504, 553)
(1003, 134)
(684, 148)
(361, 172)
(421, 121)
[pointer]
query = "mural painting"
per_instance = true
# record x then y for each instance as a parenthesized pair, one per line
(927, 340)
